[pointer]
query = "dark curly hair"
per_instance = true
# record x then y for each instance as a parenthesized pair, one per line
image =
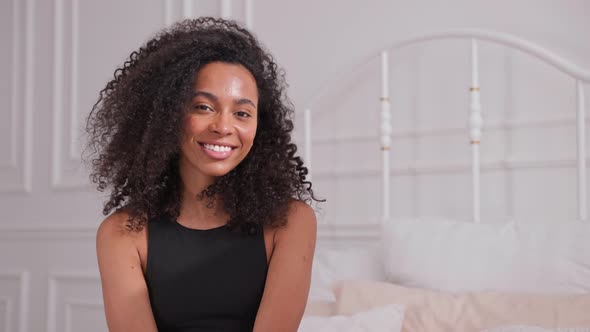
(134, 129)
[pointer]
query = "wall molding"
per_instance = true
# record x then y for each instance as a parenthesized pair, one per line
(54, 280)
(48, 232)
(24, 279)
(59, 179)
(71, 305)
(74, 150)
(186, 8)
(14, 102)
(29, 103)
(7, 302)
(58, 81)
(168, 18)
(249, 14)
(21, 97)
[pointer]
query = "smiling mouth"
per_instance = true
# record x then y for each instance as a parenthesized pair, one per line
(218, 152)
(217, 148)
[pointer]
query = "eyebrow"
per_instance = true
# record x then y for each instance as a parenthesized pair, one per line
(210, 96)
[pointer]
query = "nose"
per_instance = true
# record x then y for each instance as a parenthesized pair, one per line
(221, 124)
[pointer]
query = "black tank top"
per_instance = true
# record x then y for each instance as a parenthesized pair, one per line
(204, 280)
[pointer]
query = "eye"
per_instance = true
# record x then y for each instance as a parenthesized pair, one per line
(243, 114)
(202, 107)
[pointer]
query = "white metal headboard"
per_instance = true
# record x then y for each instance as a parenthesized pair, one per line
(475, 120)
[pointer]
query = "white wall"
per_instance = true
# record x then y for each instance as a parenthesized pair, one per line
(51, 73)
(321, 37)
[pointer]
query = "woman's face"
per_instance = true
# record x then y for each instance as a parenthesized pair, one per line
(220, 125)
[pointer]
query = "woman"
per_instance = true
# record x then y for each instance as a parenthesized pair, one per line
(210, 229)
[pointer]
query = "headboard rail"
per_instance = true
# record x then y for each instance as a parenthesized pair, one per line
(580, 75)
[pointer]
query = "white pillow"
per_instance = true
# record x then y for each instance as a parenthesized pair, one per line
(321, 281)
(460, 256)
(331, 265)
(381, 319)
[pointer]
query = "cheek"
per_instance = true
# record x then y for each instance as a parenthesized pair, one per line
(249, 134)
(192, 127)
(246, 133)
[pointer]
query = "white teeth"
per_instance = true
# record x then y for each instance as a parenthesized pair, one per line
(217, 148)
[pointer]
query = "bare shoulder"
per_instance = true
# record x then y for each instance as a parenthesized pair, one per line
(115, 227)
(301, 222)
(299, 209)
(113, 230)
(124, 288)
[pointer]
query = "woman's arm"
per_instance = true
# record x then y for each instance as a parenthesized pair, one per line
(289, 272)
(126, 300)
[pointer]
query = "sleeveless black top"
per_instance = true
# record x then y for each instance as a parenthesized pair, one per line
(204, 280)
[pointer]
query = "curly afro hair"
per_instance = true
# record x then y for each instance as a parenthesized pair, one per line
(134, 129)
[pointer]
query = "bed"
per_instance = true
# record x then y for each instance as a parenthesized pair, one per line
(481, 273)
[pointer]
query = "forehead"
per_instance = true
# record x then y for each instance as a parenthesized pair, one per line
(222, 78)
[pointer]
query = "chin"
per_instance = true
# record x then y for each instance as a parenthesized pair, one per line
(217, 171)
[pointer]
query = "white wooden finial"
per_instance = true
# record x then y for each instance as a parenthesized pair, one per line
(475, 125)
(385, 135)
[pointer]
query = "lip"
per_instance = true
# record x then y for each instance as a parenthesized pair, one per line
(217, 155)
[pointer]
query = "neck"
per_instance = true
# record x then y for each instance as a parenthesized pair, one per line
(195, 213)
(193, 208)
